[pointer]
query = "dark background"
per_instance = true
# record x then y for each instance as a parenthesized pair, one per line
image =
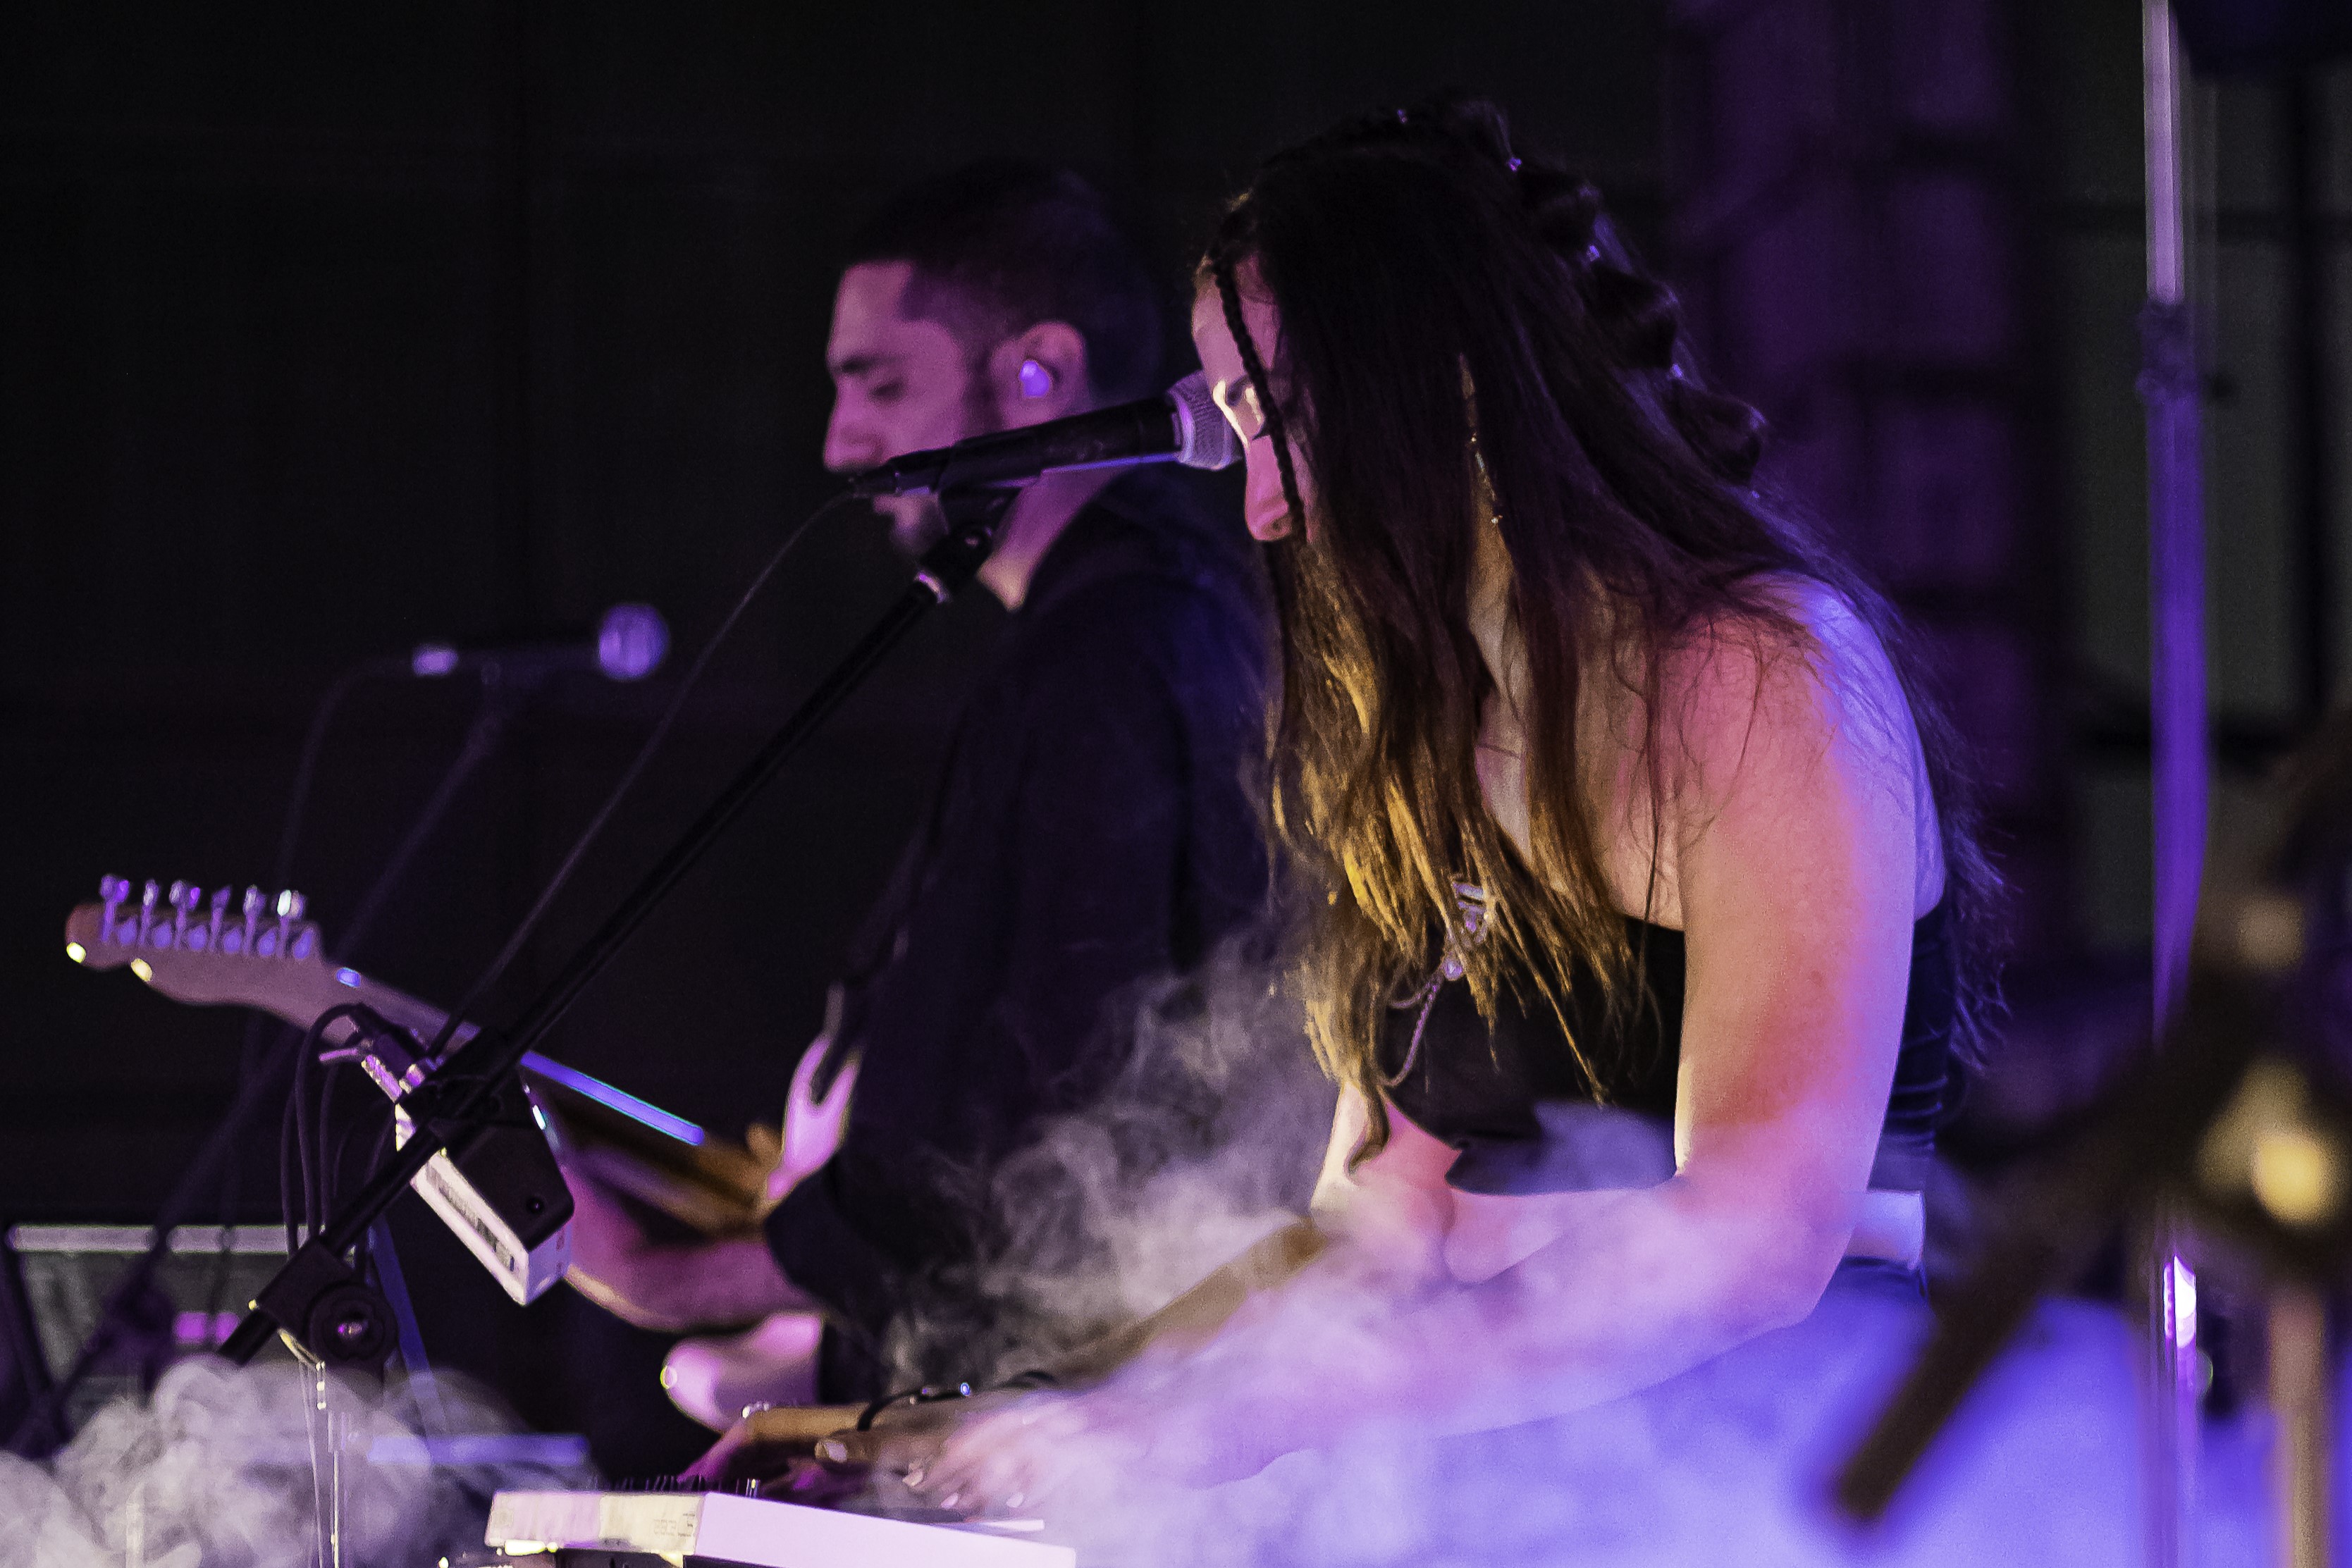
(322, 333)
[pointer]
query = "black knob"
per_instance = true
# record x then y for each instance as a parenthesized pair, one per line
(351, 1325)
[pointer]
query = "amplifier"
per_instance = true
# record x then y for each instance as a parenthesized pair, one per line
(200, 1290)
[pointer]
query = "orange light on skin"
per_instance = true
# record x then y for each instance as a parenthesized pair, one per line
(74, 951)
(140, 968)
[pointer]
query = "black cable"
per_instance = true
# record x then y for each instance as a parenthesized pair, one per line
(298, 800)
(490, 721)
(253, 1054)
(382, 1147)
(258, 1066)
(322, 1132)
(514, 946)
(301, 1148)
(928, 1393)
(314, 1150)
(286, 1184)
(341, 1161)
(225, 1253)
(939, 1393)
(497, 708)
(258, 1029)
(372, 1113)
(305, 1066)
(305, 1144)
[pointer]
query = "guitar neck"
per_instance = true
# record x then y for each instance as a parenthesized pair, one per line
(342, 987)
(711, 1182)
(280, 971)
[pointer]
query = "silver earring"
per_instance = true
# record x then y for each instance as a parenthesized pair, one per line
(1035, 380)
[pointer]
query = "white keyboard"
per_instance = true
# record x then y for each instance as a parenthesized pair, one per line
(719, 1528)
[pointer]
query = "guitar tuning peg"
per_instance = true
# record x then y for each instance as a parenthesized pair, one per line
(240, 938)
(184, 898)
(148, 898)
(220, 913)
(111, 892)
(281, 939)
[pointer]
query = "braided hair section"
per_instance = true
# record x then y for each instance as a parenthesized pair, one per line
(1230, 297)
(1633, 312)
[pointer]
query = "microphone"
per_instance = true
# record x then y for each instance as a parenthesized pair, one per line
(629, 645)
(1182, 425)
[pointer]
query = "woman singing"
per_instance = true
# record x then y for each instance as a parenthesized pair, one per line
(1620, 808)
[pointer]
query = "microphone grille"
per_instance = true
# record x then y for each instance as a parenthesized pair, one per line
(631, 641)
(1204, 438)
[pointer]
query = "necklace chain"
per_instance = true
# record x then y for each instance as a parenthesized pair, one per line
(1470, 903)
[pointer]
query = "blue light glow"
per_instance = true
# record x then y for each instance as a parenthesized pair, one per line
(604, 1095)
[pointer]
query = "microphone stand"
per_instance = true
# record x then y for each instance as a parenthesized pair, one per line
(317, 1300)
(2240, 1125)
(2241, 1078)
(44, 1420)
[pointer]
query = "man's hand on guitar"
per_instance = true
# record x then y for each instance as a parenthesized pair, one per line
(812, 1123)
(811, 1129)
(673, 1288)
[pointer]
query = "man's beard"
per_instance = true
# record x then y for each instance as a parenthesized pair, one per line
(917, 522)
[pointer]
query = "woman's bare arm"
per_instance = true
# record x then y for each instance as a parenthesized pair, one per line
(1797, 873)
(1387, 1221)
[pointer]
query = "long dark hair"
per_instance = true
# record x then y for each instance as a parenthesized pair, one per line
(1401, 251)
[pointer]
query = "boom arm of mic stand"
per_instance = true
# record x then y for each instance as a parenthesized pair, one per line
(973, 516)
(2144, 1143)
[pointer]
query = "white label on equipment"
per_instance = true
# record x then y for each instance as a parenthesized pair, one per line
(649, 1521)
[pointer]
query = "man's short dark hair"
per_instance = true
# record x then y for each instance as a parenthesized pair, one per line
(1004, 243)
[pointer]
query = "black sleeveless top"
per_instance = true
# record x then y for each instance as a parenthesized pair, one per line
(1525, 1118)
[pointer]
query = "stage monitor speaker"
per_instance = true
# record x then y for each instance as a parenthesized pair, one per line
(199, 1291)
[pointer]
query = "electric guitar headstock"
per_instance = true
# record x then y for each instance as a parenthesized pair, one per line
(195, 949)
(257, 951)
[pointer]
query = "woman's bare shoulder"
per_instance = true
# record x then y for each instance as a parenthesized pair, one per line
(1799, 668)
(1777, 616)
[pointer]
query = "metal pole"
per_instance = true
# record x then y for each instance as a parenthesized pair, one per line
(324, 1423)
(2303, 123)
(2299, 1403)
(2178, 781)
